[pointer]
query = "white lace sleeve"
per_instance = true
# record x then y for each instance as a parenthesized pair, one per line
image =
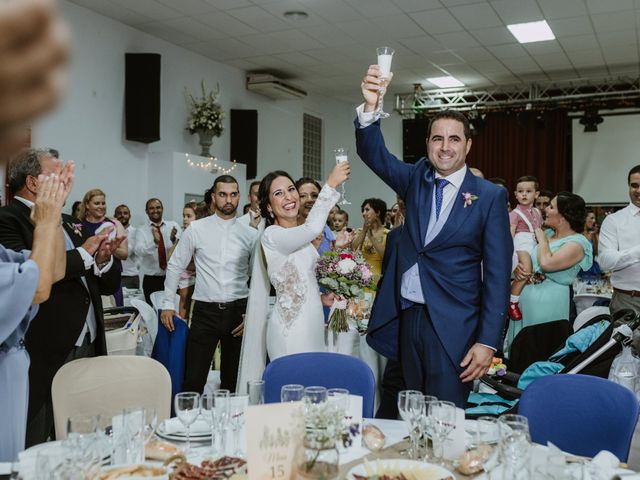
(288, 240)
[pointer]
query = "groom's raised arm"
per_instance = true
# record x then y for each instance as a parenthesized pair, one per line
(369, 142)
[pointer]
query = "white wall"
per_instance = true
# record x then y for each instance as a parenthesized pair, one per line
(89, 125)
(602, 159)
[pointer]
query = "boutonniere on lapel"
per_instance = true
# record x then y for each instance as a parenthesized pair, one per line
(468, 198)
(77, 228)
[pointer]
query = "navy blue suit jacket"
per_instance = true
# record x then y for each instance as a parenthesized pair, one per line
(474, 242)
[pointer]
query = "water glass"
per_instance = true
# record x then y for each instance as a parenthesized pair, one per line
(425, 429)
(291, 393)
(442, 417)
(237, 408)
(414, 412)
(207, 410)
(403, 408)
(81, 424)
(221, 419)
(134, 427)
(255, 390)
(187, 407)
(314, 395)
(515, 443)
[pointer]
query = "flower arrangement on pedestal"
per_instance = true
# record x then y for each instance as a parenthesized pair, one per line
(205, 117)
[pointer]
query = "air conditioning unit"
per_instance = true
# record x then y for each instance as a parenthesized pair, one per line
(273, 87)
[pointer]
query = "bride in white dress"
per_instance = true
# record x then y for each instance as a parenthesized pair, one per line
(286, 259)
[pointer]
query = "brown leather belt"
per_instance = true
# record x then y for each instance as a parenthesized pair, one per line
(631, 293)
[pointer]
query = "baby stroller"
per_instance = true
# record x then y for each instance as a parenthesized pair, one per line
(589, 351)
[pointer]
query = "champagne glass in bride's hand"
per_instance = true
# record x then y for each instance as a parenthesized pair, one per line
(385, 55)
(341, 155)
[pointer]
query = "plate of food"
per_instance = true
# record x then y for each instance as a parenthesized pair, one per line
(398, 469)
(133, 472)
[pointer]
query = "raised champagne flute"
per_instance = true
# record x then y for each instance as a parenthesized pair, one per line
(385, 55)
(341, 155)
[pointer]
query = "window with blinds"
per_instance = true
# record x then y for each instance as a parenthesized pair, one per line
(312, 147)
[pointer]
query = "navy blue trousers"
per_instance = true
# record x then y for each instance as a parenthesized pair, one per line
(426, 366)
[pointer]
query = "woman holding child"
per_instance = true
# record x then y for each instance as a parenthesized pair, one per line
(556, 261)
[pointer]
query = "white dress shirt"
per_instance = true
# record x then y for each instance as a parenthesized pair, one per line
(130, 265)
(619, 247)
(222, 251)
(146, 248)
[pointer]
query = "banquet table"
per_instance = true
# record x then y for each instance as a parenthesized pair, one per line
(395, 432)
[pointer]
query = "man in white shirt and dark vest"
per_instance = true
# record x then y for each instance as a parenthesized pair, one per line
(221, 247)
(619, 247)
(152, 245)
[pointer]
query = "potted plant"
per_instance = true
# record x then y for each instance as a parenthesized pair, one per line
(205, 117)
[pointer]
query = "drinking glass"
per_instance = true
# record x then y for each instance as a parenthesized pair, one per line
(314, 395)
(442, 417)
(385, 55)
(221, 419)
(208, 411)
(237, 407)
(403, 406)
(341, 155)
(135, 424)
(291, 393)
(425, 429)
(81, 424)
(187, 406)
(514, 443)
(255, 390)
(414, 411)
(339, 399)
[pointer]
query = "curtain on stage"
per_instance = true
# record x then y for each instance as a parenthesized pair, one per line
(512, 145)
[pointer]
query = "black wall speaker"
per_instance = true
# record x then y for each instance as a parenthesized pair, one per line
(142, 97)
(414, 139)
(244, 139)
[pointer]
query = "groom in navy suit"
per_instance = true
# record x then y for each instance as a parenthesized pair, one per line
(446, 290)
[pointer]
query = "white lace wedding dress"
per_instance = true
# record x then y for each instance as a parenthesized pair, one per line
(296, 323)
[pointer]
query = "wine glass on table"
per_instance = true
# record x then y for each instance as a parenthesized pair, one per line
(187, 406)
(442, 417)
(385, 55)
(237, 408)
(221, 419)
(208, 410)
(291, 392)
(341, 155)
(403, 408)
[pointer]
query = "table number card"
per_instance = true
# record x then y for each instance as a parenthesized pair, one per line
(273, 434)
(455, 444)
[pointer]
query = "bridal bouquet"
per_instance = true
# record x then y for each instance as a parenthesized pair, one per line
(345, 274)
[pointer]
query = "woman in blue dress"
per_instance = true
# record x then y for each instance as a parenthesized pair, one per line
(25, 281)
(557, 259)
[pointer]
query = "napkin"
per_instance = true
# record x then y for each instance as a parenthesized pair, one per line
(173, 426)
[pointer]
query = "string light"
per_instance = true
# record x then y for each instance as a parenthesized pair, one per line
(211, 165)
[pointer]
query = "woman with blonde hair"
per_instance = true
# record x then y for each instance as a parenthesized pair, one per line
(93, 214)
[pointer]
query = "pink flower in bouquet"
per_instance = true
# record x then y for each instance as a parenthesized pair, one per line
(366, 273)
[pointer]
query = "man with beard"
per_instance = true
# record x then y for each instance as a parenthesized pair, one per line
(221, 247)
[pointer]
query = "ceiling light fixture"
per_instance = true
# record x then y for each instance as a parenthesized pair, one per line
(445, 82)
(296, 15)
(532, 31)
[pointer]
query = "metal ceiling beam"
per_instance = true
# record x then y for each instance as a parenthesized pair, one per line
(618, 92)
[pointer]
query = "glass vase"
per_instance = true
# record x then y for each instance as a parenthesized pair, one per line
(317, 457)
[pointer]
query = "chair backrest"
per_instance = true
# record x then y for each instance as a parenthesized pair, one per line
(106, 385)
(158, 297)
(150, 323)
(588, 314)
(581, 414)
(331, 370)
(170, 350)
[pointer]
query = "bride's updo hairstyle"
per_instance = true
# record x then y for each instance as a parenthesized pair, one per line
(263, 193)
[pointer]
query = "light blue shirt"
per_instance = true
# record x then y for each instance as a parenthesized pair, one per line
(18, 284)
(410, 287)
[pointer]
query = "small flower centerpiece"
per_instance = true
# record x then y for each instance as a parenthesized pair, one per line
(205, 117)
(326, 428)
(346, 274)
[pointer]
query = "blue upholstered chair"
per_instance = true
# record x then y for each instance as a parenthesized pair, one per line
(170, 350)
(581, 414)
(331, 370)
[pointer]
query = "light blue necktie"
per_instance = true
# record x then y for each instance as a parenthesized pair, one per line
(440, 184)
